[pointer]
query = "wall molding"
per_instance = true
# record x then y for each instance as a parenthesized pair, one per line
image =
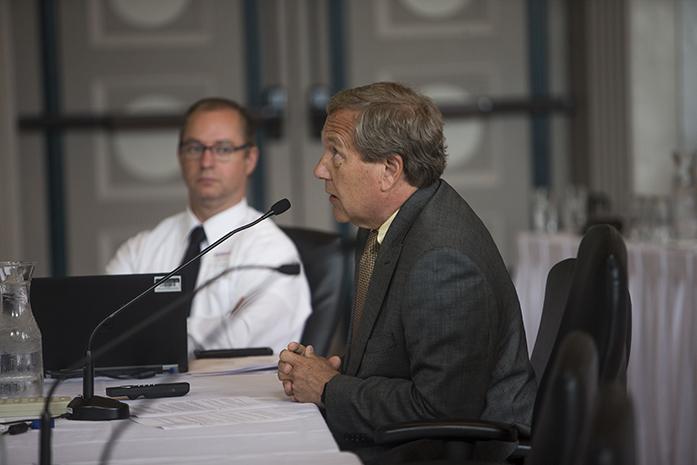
(10, 231)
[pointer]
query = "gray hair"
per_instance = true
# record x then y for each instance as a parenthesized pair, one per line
(394, 119)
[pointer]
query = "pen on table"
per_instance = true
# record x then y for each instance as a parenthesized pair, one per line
(23, 426)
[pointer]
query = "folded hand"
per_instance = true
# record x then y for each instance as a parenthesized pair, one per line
(304, 373)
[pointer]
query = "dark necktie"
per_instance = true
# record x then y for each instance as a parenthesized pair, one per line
(190, 273)
(365, 271)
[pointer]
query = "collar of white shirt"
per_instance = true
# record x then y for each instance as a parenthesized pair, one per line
(382, 231)
(220, 224)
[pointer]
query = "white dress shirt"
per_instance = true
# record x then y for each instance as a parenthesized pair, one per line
(246, 308)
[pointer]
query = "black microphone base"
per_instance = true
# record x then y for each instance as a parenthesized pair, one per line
(97, 408)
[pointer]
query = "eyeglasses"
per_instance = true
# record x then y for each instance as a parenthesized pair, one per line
(222, 150)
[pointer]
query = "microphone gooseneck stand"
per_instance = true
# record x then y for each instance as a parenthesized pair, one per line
(45, 436)
(91, 407)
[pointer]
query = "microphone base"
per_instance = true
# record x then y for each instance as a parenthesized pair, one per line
(97, 408)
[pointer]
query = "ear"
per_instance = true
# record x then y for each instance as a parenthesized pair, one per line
(250, 160)
(392, 172)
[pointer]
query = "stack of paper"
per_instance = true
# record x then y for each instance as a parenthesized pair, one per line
(31, 407)
(215, 411)
(232, 366)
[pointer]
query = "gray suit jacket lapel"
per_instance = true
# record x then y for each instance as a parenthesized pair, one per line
(387, 259)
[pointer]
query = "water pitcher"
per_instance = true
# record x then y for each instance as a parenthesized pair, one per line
(21, 362)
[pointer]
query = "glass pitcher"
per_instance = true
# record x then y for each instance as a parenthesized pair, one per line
(21, 360)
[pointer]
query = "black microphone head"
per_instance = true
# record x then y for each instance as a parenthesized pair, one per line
(280, 207)
(289, 268)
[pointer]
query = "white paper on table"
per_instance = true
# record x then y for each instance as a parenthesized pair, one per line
(148, 408)
(216, 412)
(240, 370)
(221, 418)
(232, 366)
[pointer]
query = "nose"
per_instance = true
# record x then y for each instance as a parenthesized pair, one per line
(321, 171)
(207, 157)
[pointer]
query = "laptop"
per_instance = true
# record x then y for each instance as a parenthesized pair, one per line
(68, 309)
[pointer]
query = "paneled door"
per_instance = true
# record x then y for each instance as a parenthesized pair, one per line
(138, 59)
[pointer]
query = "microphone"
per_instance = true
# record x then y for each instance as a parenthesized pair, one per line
(291, 269)
(91, 407)
(92, 414)
(280, 207)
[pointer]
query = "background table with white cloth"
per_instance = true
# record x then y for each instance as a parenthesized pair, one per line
(298, 434)
(662, 373)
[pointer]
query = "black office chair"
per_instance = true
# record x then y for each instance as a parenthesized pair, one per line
(557, 287)
(566, 412)
(556, 293)
(597, 303)
(612, 434)
(594, 293)
(326, 259)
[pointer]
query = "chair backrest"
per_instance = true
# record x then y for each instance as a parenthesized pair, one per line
(556, 292)
(589, 293)
(326, 261)
(611, 439)
(557, 289)
(566, 411)
(599, 302)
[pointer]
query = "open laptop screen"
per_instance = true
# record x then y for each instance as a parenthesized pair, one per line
(68, 309)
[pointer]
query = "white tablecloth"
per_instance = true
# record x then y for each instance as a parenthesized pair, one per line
(662, 374)
(301, 439)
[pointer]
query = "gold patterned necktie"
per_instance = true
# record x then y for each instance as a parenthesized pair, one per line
(365, 271)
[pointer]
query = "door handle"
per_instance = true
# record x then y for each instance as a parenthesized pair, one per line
(317, 99)
(274, 102)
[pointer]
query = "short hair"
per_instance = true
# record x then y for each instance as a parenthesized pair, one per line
(220, 103)
(394, 119)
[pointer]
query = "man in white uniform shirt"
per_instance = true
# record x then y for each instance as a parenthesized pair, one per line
(246, 308)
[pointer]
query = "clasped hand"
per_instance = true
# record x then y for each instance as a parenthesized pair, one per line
(304, 373)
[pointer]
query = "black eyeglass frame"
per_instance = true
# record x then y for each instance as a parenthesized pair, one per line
(221, 156)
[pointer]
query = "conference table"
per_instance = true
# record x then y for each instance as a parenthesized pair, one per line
(256, 424)
(662, 372)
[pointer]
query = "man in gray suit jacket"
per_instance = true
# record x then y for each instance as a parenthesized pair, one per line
(438, 331)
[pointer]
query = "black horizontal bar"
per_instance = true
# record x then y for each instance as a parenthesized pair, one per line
(122, 121)
(486, 106)
(483, 106)
(480, 107)
(477, 108)
(91, 121)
